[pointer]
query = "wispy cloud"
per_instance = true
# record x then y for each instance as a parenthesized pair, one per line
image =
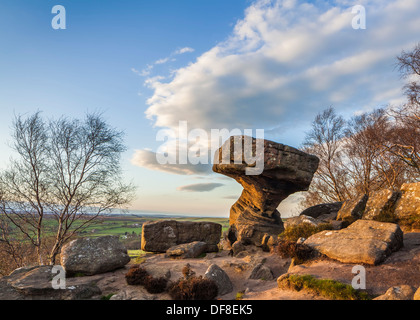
(184, 50)
(200, 187)
(145, 72)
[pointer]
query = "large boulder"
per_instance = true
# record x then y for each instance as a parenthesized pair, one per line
(353, 209)
(381, 204)
(285, 171)
(89, 256)
(409, 204)
(159, 236)
(364, 241)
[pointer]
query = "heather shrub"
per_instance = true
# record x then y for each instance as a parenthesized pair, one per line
(289, 249)
(155, 285)
(193, 288)
(136, 275)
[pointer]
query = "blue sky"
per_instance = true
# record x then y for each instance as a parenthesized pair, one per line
(216, 64)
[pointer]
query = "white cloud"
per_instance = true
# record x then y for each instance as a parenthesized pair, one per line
(184, 50)
(147, 159)
(286, 61)
(162, 61)
(200, 187)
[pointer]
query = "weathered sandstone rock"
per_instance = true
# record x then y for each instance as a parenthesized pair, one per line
(323, 209)
(364, 241)
(187, 250)
(417, 294)
(295, 221)
(92, 256)
(353, 209)
(220, 277)
(36, 283)
(380, 204)
(159, 236)
(261, 272)
(404, 292)
(286, 171)
(409, 204)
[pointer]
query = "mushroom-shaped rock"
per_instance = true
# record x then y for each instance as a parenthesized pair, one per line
(269, 172)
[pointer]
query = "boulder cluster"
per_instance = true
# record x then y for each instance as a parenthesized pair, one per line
(364, 230)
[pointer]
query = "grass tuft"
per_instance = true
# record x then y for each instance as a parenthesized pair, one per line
(330, 289)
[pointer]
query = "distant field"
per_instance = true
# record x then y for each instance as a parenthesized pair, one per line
(123, 225)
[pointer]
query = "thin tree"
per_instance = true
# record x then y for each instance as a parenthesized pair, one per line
(68, 170)
(325, 141)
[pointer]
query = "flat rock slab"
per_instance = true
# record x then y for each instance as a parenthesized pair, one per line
(159, 236)
(36, 283)
(364, 241)
(88, 256)
(187, 250)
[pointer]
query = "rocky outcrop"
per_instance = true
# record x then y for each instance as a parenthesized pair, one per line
(381, 204)
(187, 250)
(353, 209)
(409, 204)
(88, 256)
(159, 236)
(220, 277)
(364, 241)
(286, 170)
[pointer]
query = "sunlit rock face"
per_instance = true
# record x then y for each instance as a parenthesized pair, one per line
(282, 170)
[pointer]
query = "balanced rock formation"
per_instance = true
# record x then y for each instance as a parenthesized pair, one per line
(286, 170)
(364, 241)
(92, 256)
(159, 236)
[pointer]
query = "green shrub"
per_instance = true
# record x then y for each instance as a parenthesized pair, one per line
(303, 230)
(331, 289)
(107, 297)
(239, 295)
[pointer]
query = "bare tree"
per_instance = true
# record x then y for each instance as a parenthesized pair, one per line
(67, 170)
(325, 141)
(404, 142)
